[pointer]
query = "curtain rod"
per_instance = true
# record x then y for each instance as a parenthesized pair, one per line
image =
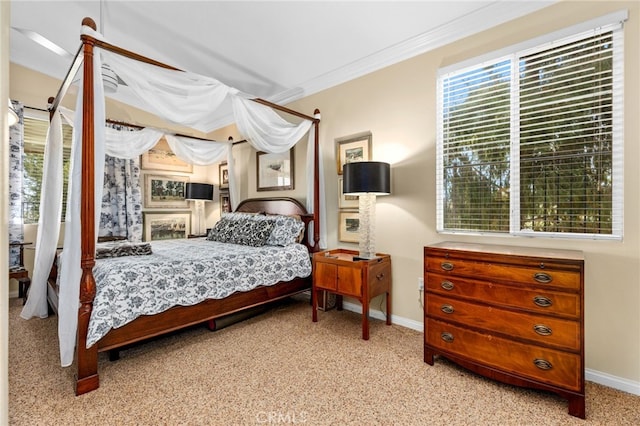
(137, 126)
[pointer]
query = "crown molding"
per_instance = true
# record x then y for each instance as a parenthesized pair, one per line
(494, 14)
(489, 16)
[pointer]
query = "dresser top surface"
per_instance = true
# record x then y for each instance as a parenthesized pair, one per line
(510, 250)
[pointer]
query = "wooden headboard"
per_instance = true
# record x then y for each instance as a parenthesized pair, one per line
(283, 206)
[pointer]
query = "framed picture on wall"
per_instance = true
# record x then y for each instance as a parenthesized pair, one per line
(160, 157)
(346, 201)
(348, 227)
(166, 225)
(223, 175)
(165, 191)
(225, 203)
(274, 171)
(353, 148)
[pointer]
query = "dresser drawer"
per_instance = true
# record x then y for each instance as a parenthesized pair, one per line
(549, 276)
(538, 329)
(542, 301)
(546, 365)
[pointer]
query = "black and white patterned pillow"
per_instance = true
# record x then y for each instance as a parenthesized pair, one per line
(286, 230)
(244, 231)
(119, 249)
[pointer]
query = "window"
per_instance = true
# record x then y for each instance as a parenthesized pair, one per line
(35, 136)
(530, 143)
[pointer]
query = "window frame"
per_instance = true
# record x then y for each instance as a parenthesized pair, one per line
(612, 22)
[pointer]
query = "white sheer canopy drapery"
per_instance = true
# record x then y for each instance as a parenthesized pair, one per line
(176, 96)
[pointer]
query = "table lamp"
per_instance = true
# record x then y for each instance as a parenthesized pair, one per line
(199, 192)
(366, 179)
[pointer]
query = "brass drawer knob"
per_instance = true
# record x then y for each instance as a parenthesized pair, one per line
(542, 330)
(447, 309)
(542, 278)
(543, 302)
(447, 337)
(447, 285)
(542, 364)
(447, 266)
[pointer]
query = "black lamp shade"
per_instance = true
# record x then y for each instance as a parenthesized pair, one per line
(362, 177)
(199, 191)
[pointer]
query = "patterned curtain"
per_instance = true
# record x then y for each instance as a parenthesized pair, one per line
(121, 214)
(16, 152)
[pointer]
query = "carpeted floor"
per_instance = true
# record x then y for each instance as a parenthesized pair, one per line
(279, 368)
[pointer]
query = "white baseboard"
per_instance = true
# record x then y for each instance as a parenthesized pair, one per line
(599, 377)
(611, 381)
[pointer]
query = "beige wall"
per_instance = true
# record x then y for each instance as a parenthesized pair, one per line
(398, 105)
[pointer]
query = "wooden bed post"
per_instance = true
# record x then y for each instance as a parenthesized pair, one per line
(87, 359)
(316, 182)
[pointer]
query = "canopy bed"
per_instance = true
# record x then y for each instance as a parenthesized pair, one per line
(80, 294)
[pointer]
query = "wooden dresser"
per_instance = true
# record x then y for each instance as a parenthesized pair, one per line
(513, 314)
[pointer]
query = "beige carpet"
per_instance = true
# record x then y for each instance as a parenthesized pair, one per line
(279, 368)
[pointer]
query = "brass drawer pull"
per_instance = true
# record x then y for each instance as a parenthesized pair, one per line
(541, 277)
(542, 330)
(543, 302)
(542, 364)
(447, 309)
(447, 266)
(447, 285)
(380, 276)
(447, 337)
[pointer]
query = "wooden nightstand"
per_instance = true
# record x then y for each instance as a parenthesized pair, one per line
(335, 271)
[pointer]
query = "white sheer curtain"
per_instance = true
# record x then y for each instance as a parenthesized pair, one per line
(176, 96)
(49, 225)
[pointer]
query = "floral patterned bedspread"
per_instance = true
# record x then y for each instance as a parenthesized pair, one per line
(185, 272)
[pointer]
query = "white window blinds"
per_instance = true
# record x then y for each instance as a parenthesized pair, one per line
(531, 143)
(35, 135)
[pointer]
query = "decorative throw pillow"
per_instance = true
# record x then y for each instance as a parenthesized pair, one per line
(119, 249)
(286, 230)
(222, 230)
(241, 230)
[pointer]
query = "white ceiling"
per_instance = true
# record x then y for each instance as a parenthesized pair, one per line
(276, 50)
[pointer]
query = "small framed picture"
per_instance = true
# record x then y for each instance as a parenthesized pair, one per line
(349, 227)
(225, 203)
(353, 148)
(346, 201)
(165, 191)
(274, 171)
(166, 225)
(160, 157)
(223, 176)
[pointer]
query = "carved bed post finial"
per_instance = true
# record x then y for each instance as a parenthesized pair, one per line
(90, 23)
(49, 103)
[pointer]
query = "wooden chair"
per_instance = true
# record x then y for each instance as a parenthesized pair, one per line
(20, 274)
